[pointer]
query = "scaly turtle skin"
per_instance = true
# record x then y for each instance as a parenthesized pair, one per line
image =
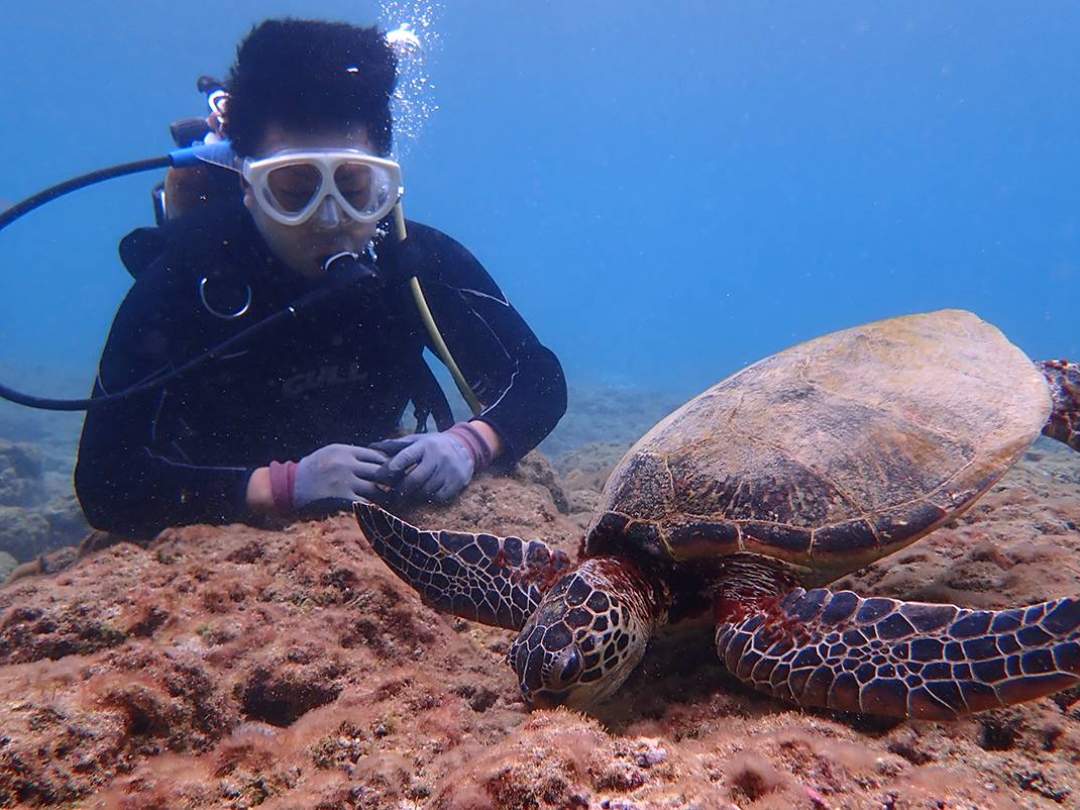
(789, 474)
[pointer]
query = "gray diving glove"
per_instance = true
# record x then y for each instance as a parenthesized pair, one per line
(340, 471)
(435, 466)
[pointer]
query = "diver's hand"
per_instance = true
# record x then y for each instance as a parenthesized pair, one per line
(435, 466)
(340, 471)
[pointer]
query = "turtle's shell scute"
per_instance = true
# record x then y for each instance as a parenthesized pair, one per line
(834, 452)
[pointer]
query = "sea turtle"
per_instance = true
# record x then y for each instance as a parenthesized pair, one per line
(796, 470)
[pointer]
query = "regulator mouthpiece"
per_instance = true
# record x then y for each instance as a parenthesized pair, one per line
(348, 268)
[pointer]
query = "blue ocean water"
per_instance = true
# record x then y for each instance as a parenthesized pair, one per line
(666, 191)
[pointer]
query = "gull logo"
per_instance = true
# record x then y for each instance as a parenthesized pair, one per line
(324, 377)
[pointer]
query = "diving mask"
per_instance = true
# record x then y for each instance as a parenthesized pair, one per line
(290, 185)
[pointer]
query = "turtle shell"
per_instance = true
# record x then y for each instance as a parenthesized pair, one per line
(833, 453)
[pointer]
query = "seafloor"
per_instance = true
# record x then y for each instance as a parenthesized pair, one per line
(236, 667)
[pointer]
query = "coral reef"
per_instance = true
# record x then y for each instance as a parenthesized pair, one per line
(235, 667)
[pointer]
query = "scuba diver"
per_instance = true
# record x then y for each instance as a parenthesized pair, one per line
(309, 413)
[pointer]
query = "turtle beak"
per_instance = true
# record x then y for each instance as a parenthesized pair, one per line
(544, 699)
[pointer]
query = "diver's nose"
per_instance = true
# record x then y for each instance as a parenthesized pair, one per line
(328, 215)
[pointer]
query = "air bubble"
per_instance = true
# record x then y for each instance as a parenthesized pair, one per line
(410, 26)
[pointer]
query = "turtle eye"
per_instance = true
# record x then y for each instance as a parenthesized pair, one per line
(570, 665)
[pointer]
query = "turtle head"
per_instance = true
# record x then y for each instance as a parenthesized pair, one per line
(583, 641)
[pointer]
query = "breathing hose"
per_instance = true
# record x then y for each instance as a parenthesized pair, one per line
(346, 272)
(441, 349)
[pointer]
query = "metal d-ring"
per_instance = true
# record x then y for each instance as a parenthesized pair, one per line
(225, 316)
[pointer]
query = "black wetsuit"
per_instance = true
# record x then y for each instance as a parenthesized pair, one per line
(341, 372)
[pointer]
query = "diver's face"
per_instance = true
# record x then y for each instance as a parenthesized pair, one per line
(306, 246)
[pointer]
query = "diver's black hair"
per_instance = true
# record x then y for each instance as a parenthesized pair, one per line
(310, 75)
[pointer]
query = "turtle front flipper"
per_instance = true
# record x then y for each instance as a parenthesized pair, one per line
(1064, 380)
(901, 659)
(480, 577)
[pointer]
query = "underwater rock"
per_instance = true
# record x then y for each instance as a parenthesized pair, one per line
(234, 667)
(24, 532)
(584, 471)
(588, 466)
(20, 474)
(7, 565)
(37, 476)
(536, 469)
(585, 501)
(67, 524)
(27, 532)
(38, 511)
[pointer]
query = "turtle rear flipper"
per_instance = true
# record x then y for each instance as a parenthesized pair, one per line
(903, 659)
(1064, 422)
(480, 577)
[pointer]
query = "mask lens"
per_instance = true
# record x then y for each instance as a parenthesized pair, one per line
(359, 184)
(291, 188)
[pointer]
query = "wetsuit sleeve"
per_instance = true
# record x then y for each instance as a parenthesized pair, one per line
(518, 380)
(125, 480)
